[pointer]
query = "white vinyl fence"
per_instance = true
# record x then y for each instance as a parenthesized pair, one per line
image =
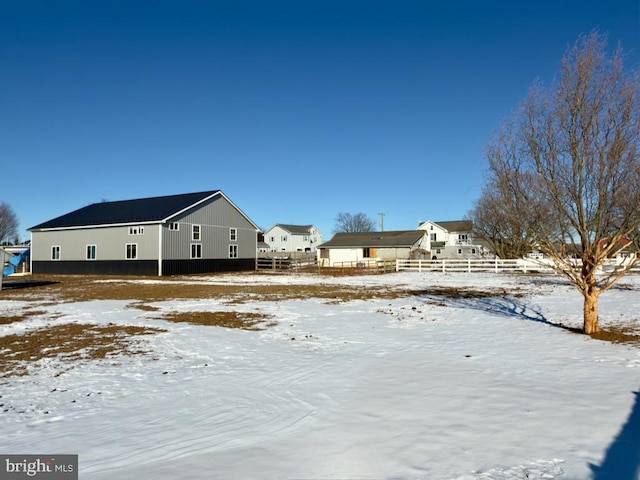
(520, 265)
(474, 265)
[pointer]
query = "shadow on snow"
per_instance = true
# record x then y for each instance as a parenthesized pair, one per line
(508, 307)
(622, 459)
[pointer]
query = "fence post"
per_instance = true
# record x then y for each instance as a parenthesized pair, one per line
(443, 269)
(496, 264)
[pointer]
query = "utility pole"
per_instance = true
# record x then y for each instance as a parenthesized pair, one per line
(381, 221)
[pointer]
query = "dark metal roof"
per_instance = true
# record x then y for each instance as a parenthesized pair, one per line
(404, 238)
(296, 229)
(142, 210)
(456, 225)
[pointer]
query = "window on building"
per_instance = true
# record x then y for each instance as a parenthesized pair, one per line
(305, 238)
(55, 252)
(195, 233)
(137, 230)
(463, 237)
(366, 252)
(91, 252)
(272, 239)
(233, 251)
(438, 251)
(459, 251)
(283, 238)
(131, 251)
(175, 226)
(233, 234)
(196, 250)
(473, 251)
(433, 237)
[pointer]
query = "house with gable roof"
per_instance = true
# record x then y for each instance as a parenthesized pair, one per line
(452, 239)
(292, 238)
(176, 234)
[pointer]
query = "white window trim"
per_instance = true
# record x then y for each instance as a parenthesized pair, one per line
(233, 251)
(233, 234)
(174, 226)
(58, 249)
(95, 251)
(137, 230)
(198, 250)
(193, 233)
(126, 251)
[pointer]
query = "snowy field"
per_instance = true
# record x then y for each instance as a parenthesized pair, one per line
(423, 387)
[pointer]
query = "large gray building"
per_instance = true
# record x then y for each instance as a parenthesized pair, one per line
(169, 235)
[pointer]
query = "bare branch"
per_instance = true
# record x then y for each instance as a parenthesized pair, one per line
(8, 223)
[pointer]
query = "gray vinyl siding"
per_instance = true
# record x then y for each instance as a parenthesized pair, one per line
(110, 243)
(215, 218)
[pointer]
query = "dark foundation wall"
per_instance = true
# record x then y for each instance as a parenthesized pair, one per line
(143, 267)
(182, 267)
(107, 267)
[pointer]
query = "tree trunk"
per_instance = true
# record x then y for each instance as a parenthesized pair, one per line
(591, 312)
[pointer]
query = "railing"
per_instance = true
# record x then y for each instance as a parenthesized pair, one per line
(379, 266)
(293, 260)
(473, 265)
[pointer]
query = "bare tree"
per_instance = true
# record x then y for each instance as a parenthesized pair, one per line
(8, 223)
(492, 223)
(566, 168)
(353, 223)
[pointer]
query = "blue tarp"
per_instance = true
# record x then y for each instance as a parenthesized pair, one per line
(15, 261)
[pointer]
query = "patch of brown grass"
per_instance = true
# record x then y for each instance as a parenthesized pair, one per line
(618, 335)
(143, 306)
(241, 320)
(75, 288)
(465, 292)
(18, 318)
(70, 341)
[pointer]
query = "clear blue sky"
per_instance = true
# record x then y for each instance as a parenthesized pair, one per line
(297, 110)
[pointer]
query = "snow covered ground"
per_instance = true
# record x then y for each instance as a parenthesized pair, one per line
(420, 387)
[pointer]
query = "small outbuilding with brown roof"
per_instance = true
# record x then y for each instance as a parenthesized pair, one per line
(350, 249)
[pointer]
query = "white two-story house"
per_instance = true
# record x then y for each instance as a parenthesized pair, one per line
(292, 238)
(452, 239)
